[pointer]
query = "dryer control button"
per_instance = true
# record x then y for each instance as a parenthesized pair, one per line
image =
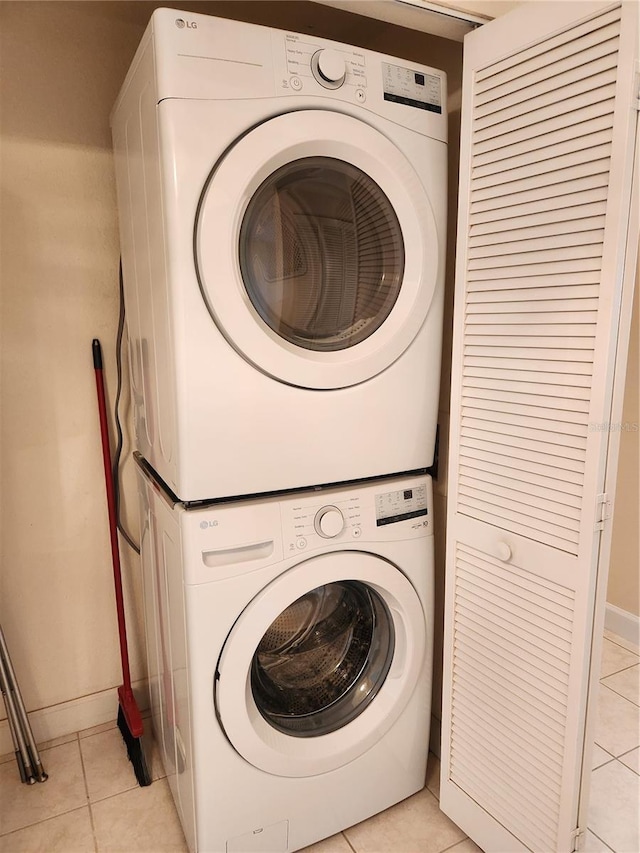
(329, 522)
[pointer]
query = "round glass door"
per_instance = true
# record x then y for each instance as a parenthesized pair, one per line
(316, 249)
(323, 659)
(321, 663)
(321, 254)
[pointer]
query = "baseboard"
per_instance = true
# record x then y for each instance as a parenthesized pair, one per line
(74, 716)
(623, 623)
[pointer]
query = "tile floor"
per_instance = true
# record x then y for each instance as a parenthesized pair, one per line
(614, 804)
(92, 802)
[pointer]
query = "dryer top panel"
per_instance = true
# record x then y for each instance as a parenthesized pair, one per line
(203, 57)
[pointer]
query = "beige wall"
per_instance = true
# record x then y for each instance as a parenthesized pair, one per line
(62, 65)
(61, 68)
(624, 572)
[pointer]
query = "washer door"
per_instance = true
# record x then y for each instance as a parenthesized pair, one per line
(320, 664)
(316, 249)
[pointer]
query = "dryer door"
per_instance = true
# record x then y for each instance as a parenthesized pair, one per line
(316, 249)
(320, 664)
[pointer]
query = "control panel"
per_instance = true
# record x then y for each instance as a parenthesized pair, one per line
(236, 537)
(309, 66)
(401, 505)
(371, 512)
(403, 85)
(218, 59)
(331, 67)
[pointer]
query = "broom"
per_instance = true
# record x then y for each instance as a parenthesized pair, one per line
(129, 719)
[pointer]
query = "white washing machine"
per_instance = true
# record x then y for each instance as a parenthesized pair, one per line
(289, 644)
(282, 216)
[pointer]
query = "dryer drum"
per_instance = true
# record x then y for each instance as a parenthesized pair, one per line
(321, 254)
(323, 659)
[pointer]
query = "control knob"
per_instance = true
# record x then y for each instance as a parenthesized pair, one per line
(329, 68)
(329, 522)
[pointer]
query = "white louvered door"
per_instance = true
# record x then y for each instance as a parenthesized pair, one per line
(544, 263)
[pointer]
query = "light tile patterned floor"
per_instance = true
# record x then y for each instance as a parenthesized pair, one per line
(92, 802)
(614, 805)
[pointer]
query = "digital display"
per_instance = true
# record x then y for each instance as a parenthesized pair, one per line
(401, 505)
(413, 88)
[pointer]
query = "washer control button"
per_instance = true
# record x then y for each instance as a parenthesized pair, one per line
(295, 83)
(329, 68)
(301, 543)
(329, 522)
(356, 532)
(361, 95)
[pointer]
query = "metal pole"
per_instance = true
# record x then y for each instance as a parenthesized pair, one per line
(20, 746)
(24, 735)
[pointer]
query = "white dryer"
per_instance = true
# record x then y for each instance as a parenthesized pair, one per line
(289, 643)
(282, 215)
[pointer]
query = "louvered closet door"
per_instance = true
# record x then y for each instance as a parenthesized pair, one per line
(545, 197)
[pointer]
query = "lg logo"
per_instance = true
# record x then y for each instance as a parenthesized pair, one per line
(205, 524)
(190, 25)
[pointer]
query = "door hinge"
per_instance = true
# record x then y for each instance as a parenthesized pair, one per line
(576, 838)
(603, 511)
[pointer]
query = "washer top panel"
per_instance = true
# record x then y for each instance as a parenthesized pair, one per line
(236, 537)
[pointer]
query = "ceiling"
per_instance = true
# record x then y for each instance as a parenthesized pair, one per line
(446, 18)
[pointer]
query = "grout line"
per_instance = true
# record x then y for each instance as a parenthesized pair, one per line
(633, 749)
(600, 840)
(626, 766)
(606, 752)
(606, 686)
(99, 729)
(622, 696)
(460, 841)
(7, 758)
(622, 669)
(437, 799)
(48, 744)
(134, 785)
(84, 771)
(634, 651)
(43, 820)
(348, 842)
(86, 790)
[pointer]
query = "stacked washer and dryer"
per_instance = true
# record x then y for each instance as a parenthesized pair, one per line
(282, 222)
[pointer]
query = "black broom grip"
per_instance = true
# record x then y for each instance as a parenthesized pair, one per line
(97, 354)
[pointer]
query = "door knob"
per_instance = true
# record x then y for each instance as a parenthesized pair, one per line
(503, 551)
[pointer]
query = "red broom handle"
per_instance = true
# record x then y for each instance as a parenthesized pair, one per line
(111, 503)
